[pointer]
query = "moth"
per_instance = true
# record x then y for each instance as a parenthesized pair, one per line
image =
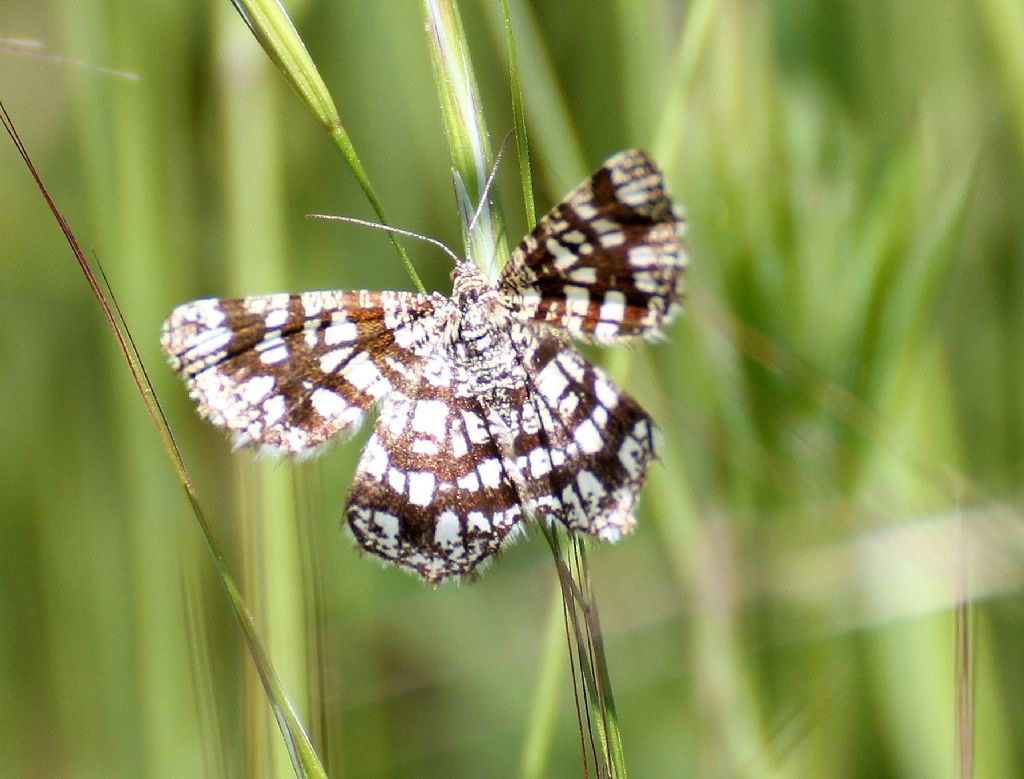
(488, 417)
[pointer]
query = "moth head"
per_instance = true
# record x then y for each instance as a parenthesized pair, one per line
(469, 283)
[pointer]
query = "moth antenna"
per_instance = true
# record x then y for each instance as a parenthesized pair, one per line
(490, 180)
(389, 229)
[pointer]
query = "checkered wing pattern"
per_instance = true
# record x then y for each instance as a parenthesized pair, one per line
(607, 262)
(291, 371)
(582, 445)
(432, 492)
(488, 416)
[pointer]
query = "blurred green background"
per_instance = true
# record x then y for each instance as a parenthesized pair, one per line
(843, 404)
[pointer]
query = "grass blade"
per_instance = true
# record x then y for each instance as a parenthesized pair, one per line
(269, 23)
(304, 758)
(466, 130)
(519, 118)
(557, 142)
(470, 151)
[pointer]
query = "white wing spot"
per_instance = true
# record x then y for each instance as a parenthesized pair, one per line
(613, 309)
(584, 275)
(364, 376)
(396, 480)
(572, 366)
(328, 404)
(312, 304)
(611, 314)
(410, 336)
(261, 304)
(430, 417)
(490, 472)
(329, 362)
(645, 282)
(476, 520)
(475, 428)
(256, 388)
(276, 318)
(395, 414)
(426, 446)
(540, 462)
(588, 437)
(388, 523)
(469, 482)
(551, 381)
(375, 459)
(590, 488)
(273, 409)
(568, 405)
(606, 393)
(577, 300)
(421, 488)
(447, 531)
(276, 354)
(208, 344)
(340, 333)
(632, 456)
(564, 258)
(458, 444)
(296, 439)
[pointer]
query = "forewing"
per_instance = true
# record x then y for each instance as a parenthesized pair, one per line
(606, 263)
(583, 446)
(431, 492)
(290, 371)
